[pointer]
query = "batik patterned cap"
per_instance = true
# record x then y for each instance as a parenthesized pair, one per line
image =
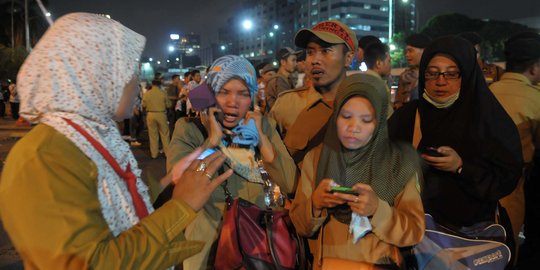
(333, 32)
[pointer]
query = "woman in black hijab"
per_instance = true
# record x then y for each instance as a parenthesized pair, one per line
(460, 120)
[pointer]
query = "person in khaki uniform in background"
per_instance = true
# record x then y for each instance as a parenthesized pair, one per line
(519, 94)
(282, 80)
(301, 114)
(156, 102)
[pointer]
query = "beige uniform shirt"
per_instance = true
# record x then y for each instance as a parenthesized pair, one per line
(301, 116)
(521, 100)
(156, 100)
(392, 226)
(49, 206)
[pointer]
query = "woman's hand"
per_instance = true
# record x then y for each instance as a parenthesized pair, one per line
(323, 198)
(257, 116)
(195, 187)
(213, 127)
(265, 146)
(449, 162)
(365, 203)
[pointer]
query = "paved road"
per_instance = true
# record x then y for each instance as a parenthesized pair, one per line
(153, 170)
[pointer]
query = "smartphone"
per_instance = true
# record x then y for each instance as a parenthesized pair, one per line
(219, 116)
(206, 153)
(201, 97)
(432, 151)
(346, 190)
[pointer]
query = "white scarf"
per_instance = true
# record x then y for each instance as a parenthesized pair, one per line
(78, 71)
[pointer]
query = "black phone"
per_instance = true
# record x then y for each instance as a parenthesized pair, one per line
(346, 190)
(219, 116)
(432, 151)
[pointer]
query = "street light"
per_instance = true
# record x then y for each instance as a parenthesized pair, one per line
(150, 59)
(247, 24)
(276, 27)
(223, 47)
(171, 48)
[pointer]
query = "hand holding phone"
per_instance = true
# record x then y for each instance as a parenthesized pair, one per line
(346, 190)
(432, 151)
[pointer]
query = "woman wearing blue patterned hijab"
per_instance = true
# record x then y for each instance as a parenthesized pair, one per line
(243, 135)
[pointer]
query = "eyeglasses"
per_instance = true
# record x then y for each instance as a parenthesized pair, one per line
(447, 75)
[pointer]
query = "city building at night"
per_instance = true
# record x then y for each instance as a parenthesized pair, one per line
(184, 50)
(380, 18)
(260, 29)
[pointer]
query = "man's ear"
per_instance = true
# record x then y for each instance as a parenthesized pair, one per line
(378, 64)
(349, 57)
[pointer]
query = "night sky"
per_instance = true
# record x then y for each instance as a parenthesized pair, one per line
(157, 19)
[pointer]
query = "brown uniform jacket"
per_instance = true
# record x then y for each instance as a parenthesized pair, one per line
(398, 226)
(301, 116)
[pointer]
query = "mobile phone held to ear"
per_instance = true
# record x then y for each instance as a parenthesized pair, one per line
(432, 151)
(346, 190)
(201, 97)
(219, 116)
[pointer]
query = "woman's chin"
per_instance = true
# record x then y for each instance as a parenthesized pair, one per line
(229, 124)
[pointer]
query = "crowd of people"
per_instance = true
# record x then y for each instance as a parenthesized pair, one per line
(457, 142)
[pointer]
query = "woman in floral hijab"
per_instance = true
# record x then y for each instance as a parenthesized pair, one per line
(71, 196)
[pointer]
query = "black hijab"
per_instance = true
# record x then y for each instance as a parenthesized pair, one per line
(480, 131)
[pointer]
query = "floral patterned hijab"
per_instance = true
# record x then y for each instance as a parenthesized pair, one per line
(78, 71)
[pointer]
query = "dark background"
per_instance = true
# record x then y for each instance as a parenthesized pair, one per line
(157, 19)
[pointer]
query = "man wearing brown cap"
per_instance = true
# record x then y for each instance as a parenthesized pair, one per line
(519, 94)
(282, 81)
(301, 114)
(408, 80)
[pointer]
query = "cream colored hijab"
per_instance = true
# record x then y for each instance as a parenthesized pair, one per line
(78, 71)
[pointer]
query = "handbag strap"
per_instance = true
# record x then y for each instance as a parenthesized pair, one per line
(129, 178)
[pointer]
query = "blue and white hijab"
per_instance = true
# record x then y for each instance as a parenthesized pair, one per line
(241, 160)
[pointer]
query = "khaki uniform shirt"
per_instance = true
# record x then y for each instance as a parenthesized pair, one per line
(521, 100)
(275, 86)
(287, 110)
(392, 226)
(156, 100)
(50, 209)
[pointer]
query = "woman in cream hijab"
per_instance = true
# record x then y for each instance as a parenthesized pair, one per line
(71, 196)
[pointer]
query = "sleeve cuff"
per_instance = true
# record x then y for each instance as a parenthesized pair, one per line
(382, 215)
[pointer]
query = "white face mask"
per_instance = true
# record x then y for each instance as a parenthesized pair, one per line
(441, 103)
